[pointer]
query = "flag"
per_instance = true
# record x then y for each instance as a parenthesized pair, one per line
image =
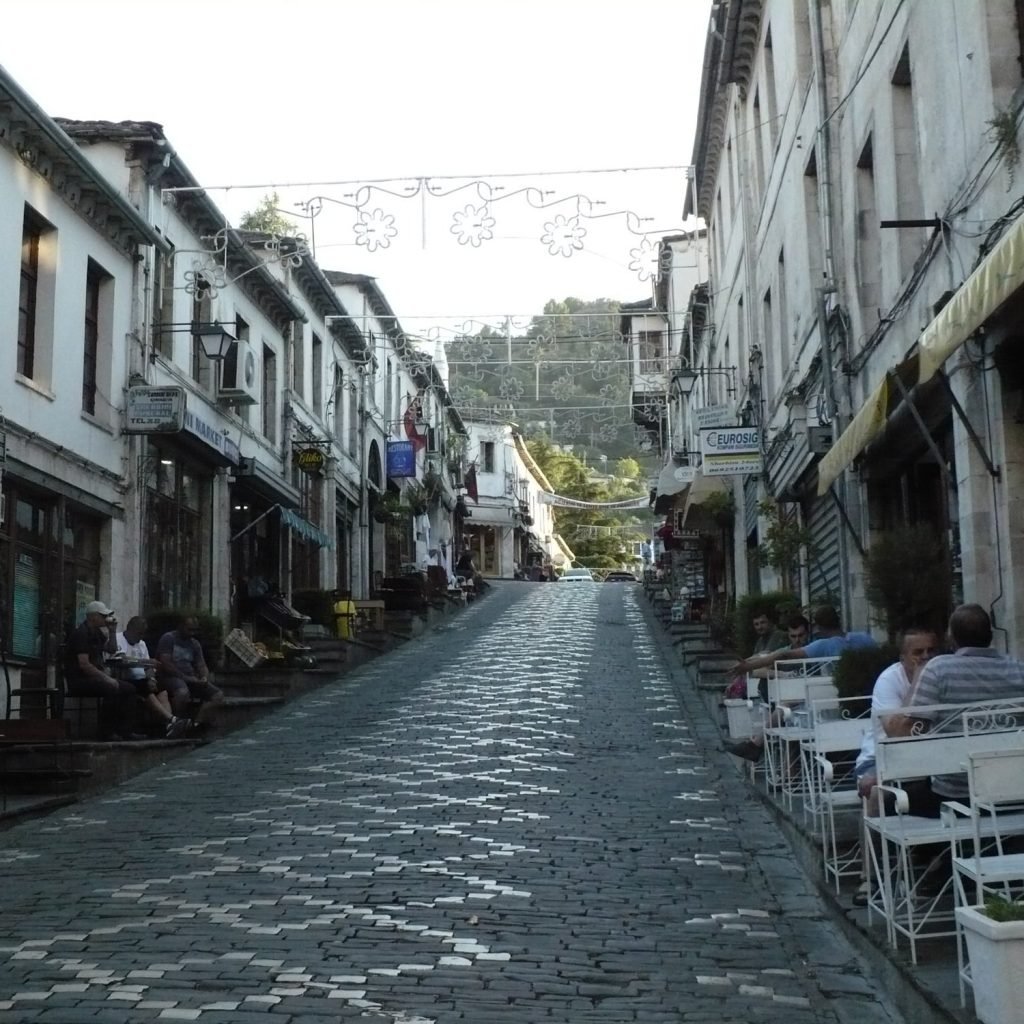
(470, 482)
(412, 414)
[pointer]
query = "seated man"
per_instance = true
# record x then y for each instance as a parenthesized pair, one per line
(184, 673)
(973, 674)
(140, 670)
(87, 675)
(767, 637)
(752, 749)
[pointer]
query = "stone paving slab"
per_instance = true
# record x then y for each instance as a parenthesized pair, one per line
(511, 819)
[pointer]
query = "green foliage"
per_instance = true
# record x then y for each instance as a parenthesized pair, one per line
(785, 540)
(856, 670)
(267, 217)
(721, 507)
(1003, 910)
(569, 476)
(628, 469)
(908, 579)
(1002, 130)
(776, 604)
(210, 636)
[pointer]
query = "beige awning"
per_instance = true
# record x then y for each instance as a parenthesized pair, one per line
(673, 479)
(1000, 274)
(856, 437)
(702, 488)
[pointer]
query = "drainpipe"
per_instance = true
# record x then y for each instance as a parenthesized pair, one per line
(830, 286)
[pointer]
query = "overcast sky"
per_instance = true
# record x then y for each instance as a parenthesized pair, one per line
(346, 92)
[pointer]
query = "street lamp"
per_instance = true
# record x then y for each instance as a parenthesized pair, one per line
(685, 378)
(215, 339)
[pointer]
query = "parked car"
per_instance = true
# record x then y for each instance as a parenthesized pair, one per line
(576, 576)
(621, 576)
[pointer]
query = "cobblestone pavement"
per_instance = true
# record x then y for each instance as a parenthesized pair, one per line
(512, 819)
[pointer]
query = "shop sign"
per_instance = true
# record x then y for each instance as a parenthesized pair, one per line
(401, 459)
(310, 460)
(713, 416)
(211, 437)
(155, 410)
(730, 451)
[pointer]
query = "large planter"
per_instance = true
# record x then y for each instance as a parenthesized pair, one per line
(995, 952)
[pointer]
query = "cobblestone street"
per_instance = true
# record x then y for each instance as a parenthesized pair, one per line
(511, 819)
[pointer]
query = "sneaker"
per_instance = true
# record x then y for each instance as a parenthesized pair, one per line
(176, 727)
(747, 749)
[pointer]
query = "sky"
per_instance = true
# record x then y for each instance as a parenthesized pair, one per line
(415, 123)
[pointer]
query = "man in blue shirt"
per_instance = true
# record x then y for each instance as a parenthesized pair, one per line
(830, 642)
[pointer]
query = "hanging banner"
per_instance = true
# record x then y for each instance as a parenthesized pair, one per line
(730, 451)
(401, 459)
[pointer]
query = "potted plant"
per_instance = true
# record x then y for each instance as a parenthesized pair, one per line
(995, 950)
(388, 508)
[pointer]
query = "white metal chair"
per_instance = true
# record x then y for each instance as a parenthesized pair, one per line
(838, 727)
(792, 682)
(983, 866)
(896, 892)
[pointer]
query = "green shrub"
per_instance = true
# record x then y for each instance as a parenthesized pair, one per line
(1004, 910)
(856, 670)
(210, 636)
(908, 579)
(776, 604)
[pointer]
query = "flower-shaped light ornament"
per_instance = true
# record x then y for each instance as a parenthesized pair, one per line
(374, 229)
(644, 261)
(472, 225)
(563, 235)
(511, 388)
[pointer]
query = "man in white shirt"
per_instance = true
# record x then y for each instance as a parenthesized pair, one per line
(140, 669)
(893, 690)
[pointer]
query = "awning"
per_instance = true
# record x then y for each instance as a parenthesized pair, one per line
(489, 515)
(672, 480)
(855, 438)
(265, 483)
(304, 528)
(702, 488)
(996, 279)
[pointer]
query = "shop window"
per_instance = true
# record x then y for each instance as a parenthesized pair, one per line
(173, 533)
(44, 568)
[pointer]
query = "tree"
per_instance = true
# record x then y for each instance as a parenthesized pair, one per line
(269, 218)
(601, 538)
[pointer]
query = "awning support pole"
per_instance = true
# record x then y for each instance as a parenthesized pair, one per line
(253, 523)
(923, 427)
(846, 520)
(971, 432)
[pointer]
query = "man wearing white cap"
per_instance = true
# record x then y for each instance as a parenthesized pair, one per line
(87, 675)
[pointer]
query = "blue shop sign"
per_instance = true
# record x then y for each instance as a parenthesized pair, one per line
(401, 458)
(211, 436)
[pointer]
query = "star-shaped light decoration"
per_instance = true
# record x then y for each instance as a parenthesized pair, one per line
(374, 229)
(563, 235)
(472, 225)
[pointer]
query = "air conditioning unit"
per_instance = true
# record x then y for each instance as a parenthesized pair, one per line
(239, 375)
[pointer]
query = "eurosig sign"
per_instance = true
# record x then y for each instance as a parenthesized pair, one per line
(730, 451)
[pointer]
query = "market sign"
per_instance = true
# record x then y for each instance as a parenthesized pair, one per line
(310, 460)
(401, 459)
(731, 451)
(713, 416)
(155, 410)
